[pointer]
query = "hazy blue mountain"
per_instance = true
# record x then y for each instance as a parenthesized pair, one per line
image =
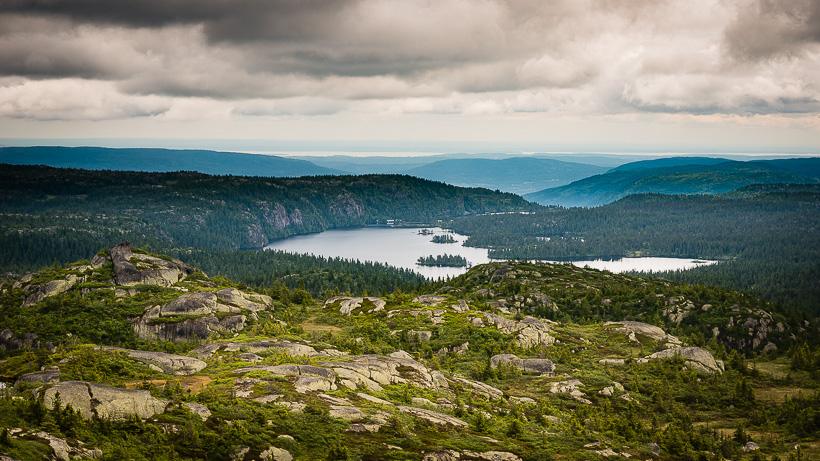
(517, 174)
(669, 162)
(803, 166)
(162, 160)
(683, 179)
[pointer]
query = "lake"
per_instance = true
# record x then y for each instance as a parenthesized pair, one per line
(401, 247)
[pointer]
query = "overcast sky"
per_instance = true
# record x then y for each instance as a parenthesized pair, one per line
(733, 75)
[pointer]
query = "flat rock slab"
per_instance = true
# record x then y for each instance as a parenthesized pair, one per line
(433, 417)
(46, 376)
(699, 359)
(170, 364)
(104, 401)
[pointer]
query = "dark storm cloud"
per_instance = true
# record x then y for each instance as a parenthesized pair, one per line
(256, 57)
(773, 28)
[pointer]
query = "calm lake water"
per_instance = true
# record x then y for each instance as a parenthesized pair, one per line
(401, 247)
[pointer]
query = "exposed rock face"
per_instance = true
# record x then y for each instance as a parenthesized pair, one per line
(199, 409)
(104, 401)
(678, 308)
(276, 454)
(433, 417)
(531, 331)
(612, 362)
(50, 375)
(631, 328)
(698, 359)
(285, 347)
(234, 297)
(148, 269)
(527, 365)
(370, 370)
(50, 288)
(186, 330)
(429, 300)
(201, 303)
(170, 364)
(348, 304)
(158, 321)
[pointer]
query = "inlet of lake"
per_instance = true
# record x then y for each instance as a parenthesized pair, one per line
(401, 247)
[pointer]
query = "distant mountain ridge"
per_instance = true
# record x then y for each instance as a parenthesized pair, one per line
(518, 175)
(705, 176)
(163, 160)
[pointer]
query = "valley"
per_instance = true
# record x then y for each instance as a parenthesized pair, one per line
(510, 361)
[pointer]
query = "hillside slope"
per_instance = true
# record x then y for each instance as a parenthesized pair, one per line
(162, 160)
(66, 213)
(680, 179)
(473, 371)
(519, 175)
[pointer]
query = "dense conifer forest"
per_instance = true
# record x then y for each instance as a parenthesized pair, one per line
(767, 237)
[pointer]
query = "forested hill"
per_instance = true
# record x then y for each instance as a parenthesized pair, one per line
(50, 213)
(158, 160)
(767, 236)
(678, 179)
(519, 175)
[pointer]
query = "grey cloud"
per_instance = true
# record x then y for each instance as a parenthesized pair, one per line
(773, 28)
(314, 57)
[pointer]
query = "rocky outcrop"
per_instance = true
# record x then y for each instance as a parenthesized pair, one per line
(29, 341)
(131, 268)
(696, 358)
(439, 419)
(283, 347)
(169, 364)
(631, 329)
(173, 322)
(678, 308)
(530, 332)
(146, 327)
(234, 297)
(526, 365)
(373, 371)
(429, 300)
(105, 402)
(47, 376)
(50, 288)
(276, 454)
(199, 409)
(348, 304)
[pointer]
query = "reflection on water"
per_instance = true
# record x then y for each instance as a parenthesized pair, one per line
(401, 247)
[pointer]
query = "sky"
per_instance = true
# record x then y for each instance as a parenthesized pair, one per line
(569, 75)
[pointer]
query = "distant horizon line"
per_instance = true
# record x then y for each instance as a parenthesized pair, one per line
(388, 148)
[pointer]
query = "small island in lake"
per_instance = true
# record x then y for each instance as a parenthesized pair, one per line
(444, 260)
(446, 238)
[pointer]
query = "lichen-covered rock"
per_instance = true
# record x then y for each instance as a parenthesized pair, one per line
(237, 298)
(199, 409)
(429, 300)
(92, 399)
(148, 269)
(188, 329)
(200, 303)
(49, 375)
(276, 454)
(631, 328)
(304, 384)
(530, 331)
(392, 370)
(433, 417)
(348, 304)
(170, 364)
(698, 359)
(526, 365)
(50, 288)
